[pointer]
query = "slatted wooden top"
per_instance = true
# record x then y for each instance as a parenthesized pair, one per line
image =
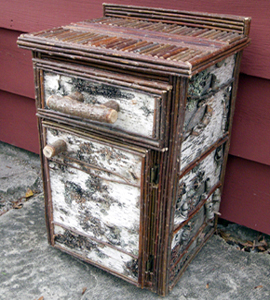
(148, 39)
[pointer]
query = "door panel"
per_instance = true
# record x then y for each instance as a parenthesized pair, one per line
(96, 199)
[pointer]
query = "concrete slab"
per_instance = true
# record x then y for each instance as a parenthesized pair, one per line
(19, 171)
(31, 269)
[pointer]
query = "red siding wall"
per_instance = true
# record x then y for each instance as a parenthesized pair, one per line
(246, 198)
(251, 131)
(18, 121)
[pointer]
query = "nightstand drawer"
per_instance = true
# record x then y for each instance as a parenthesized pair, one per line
(108, 103)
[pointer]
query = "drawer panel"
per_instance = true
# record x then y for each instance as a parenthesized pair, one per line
(142, 111)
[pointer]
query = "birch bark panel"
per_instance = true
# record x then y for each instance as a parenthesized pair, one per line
(106, 256)
(223, 71)
(211, 78)
(211, 127)
(184, 235)
(137, 109)
(193, 247)
(206, 117)
(96, 202)
(196, 184)
(107, 211)
(81, 152)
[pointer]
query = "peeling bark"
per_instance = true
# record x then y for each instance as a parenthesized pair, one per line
(98, 253)
(196, 184)
(102, 203)
(206, 118)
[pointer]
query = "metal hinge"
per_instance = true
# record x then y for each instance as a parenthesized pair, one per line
(154, 176)
(150, 264)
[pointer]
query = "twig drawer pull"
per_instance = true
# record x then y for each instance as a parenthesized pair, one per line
(68, 105)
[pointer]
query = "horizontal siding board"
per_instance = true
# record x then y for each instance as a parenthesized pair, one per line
(246, 194)
(250, 133)
(29, 16)
(16, 75)
(18, 124)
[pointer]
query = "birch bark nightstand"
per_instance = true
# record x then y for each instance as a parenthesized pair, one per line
(135, 116)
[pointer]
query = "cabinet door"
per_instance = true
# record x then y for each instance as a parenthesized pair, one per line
(95, 192)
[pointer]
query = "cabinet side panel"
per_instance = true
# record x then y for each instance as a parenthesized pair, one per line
(207, 110)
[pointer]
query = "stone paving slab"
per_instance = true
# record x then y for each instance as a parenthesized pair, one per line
(31, 269)
(19, 171)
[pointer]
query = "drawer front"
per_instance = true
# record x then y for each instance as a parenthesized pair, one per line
(141, 113)
(96, 199)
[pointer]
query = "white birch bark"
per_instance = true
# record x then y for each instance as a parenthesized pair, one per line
(137, 109)
(99, 203)
(184, 235)
(120, 165)
(98, 253)
(206, 120)
(205, 175)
